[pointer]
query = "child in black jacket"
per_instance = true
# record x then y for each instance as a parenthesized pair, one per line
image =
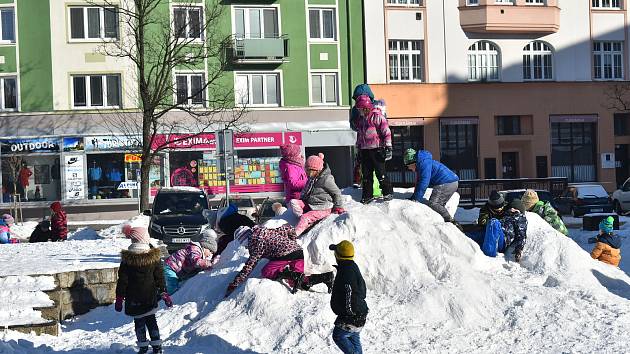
(140, 283)
(348, 300)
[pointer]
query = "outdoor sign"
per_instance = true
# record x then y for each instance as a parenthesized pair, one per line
(74, 177)
(133, 158)
(105, 143)
(128, 185)
(184, 141)
(73, 144)
(293, 138)
(256, 140)
(24, 146)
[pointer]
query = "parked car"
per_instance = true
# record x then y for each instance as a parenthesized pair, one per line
(265, 212)
(178, 217)
(580, 199)
(543, 195)
(621, 198)
(244, 203)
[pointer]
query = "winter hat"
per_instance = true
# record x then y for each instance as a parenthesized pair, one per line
(496, 199)
(518, 205)
(315, 162)
(278, 209)
(607, 225)
(364, 101)
(56, 207)
(242, 234)
(209, 240)
(45, 224)
(8, 219)
(136, 234)
(290, 151)
(344, 250)
(139, 247)
(409, 157)
(529, 198)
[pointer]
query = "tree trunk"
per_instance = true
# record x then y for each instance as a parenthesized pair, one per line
(146, 159)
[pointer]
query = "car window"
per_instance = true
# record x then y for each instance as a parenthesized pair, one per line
(626, 186)
(179, 203)
(240, 202)
(594, 191)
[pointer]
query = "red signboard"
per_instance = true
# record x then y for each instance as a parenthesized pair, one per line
(254, 140)
(183, 141)
(293, 138)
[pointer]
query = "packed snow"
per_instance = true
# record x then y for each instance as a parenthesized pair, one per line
(430, 289)
(22, 296)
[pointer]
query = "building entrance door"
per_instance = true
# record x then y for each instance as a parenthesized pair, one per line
(621, 163)
(510, 165)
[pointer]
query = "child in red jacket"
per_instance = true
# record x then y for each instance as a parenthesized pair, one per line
(58, 222)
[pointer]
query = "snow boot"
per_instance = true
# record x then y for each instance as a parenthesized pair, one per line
(326, 278)
(157, 349)
(388, 197)
(367, 200)
(296, 277)
(143, 350)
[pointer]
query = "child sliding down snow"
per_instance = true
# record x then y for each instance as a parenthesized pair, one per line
(607, 248)
(140, 284)
(187, 262)
(320, 196)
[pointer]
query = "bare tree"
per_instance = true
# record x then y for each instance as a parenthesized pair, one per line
(157, 46)
(618, 97)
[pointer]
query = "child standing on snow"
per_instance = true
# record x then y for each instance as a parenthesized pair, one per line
(348, 300)
(292, 171)
(5, 229)
(140, 284)
(187, 262)
(320, 196)
(607, 248)
(58, 222)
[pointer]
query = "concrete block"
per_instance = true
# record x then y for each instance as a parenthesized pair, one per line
(50, 328)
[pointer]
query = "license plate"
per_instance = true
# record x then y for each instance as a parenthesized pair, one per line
(180, 240)
(598, 210)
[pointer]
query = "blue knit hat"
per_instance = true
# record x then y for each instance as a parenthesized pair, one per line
(606, 225)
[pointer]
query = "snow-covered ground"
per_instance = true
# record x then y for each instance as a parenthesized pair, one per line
(21, 295)
(430, 289)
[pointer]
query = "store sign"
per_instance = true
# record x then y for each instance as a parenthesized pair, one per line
(24, 146)
(459, 121)
(73, 144)
(128, 185)
(574, 118)
(405, 122)
(255, 140)
(184, 141)
(133, 158)
(103, 143)
(74, 177)
(293, 138)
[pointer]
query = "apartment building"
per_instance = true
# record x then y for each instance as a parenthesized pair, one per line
(293, 64)
(504, 88)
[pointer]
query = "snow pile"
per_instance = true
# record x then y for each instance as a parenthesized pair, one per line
(22, 295)
(23, 230)
(116, 230)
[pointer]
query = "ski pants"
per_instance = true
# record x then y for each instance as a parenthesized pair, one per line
(494, 239)
(307, 219)
(143, 324)
(173, 283)
(373, 163)
(440, 196)
(348, 342)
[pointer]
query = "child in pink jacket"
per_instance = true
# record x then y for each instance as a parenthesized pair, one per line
(292, 171)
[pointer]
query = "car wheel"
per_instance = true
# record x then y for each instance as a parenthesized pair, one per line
(618, 208)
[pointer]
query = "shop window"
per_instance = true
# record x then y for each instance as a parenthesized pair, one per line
(322, 24)
(8, 94)
(99, 91)
(573, 152)
(105, 174)
(459, 146)
(190, 89)
(183, 169)
(324, 88)
(93, 23)
(256, 22)
(33, 178)
(621, 124)
(188, 22)
(403, 138)
(258, 89)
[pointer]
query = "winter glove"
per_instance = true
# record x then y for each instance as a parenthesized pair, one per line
(119, 303)
(388, 153)
(167, 300)
(338, 210)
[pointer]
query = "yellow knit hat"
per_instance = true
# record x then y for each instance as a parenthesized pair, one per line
(344, 250)
(529, 198)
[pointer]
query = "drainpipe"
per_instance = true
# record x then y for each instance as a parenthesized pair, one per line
(444, 36)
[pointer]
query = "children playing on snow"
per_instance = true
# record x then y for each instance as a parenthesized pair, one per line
(510, 230)
(58, 222)
(320, 196)
(431, 173)
(286, 259)
(187, 262)
(228, 220)
(41, 233)
(348, 300)
(292, 171)
(141, 284)
(544, 209)
(607, 248)
(493, 209)
(5, 229)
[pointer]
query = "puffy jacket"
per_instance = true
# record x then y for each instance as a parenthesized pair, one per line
(267, 243)
(355, 115)
(189, 261)
(40, 236)
(5, 233)
(515, 231)
(430, 173)
(348, 295)
(59, 225)
(547, 212)
(373, 131)
(607, 249)
(229, 224)
(488, 212)
(321, 192)
(294, 178)
(140, 281)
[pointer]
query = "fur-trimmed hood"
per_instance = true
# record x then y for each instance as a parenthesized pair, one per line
(151, 257)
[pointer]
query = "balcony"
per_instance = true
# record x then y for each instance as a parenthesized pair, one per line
(516, 16)
(261, 50)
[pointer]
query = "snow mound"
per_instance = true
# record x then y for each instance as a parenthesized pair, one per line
(22, 295)
(116, 230)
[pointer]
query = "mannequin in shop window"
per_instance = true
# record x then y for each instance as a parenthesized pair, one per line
(183, 177)
(115, 177)
(95, 173)
(25, 175)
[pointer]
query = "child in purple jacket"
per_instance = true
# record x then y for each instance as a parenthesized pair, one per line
(292, 171)
(187, 262)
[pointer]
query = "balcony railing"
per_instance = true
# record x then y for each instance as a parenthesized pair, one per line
(274, 49)
(516, 16)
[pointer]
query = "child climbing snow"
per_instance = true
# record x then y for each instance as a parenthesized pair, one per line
(286, 258)
(320, 196)
(58, 222)
(292, 171)
(141, 284)
(510, 230)
(5, 229)
(607, 249)
(187, 262)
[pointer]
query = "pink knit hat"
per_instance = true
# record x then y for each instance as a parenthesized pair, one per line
(315, 162)
(136, 234)
(364, 101)
(291, 151)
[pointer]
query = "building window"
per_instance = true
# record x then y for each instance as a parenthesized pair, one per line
(606, 4)
(504, 1)
(535, 2)
(573, 151)
(483, 62)
(8, 94)
(256, 23)
(458, 146)
(537, 61)
(608, 60)
(98, 91)
(403, 138)
(405, 2)
(508, 125)
(472, 2)
(7, 25)
(322, 24)
(405, 60)
(188, 22)
(93, 22)
(324, 88)
(189, 89)
(258, 89)
(621, 124)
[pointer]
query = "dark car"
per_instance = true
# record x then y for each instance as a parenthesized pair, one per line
(543, 195)
(580, 199)
(265, 211)
(178, 216)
